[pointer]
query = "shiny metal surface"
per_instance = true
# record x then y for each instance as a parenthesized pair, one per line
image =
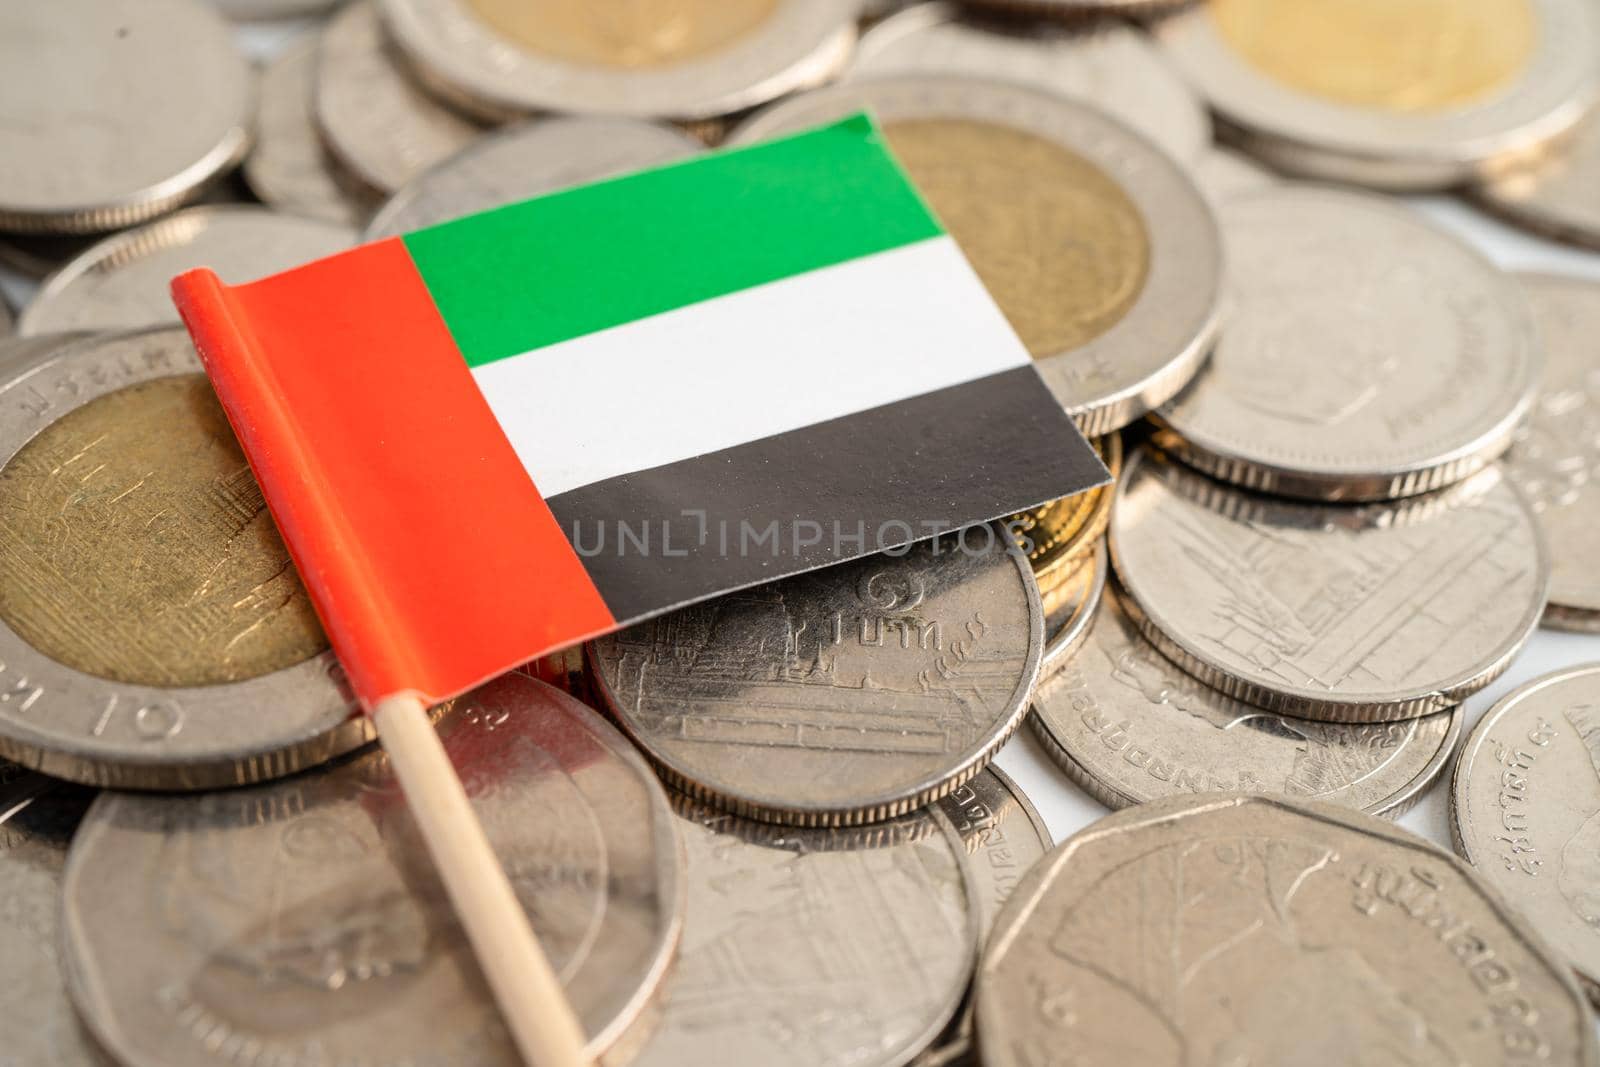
(304, 921)
(1331, 612)
(1001, 837)
(1070, 606)
(845, 695)
(1254, 930)
(1555, 193)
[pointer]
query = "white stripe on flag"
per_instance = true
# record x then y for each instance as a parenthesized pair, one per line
(748, 365)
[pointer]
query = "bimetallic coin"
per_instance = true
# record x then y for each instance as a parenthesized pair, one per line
(1404, 95)
(815, 947)
(37, 1024)
(1057, 535)
(19, 353)
(1099, 249)
(1555, 459)
(845, 695)
(689, 60)
(1525, 809)
(1332, 612)
(122, 282)
(1368, 354)
(114, 111)
(1069, 608)
(537, 157)
(1230, 929)
(1109, 65)
(153, 632)
(290, 168)
(1555, 193)
(1001, 835)
(375, 116)
(1130, 727)
(1223, 173)
(304, 921)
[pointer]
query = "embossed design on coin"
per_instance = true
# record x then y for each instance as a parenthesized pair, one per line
(114, 111)
(1421, 94)
(1001, 837)
(1348, 376)
(175, 648)
(1422, 55)
(1097, 247)
(1346, 614)
(677, 59)
(845, 695)
(1106, 64)
(1555, 458)
(1268, 932)
(537, 157)
(1525, 809)
(313, 900)
(1130, 727)
(121, 283)
(815, 948)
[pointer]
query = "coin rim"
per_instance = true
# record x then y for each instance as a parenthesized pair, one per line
(1061, 646)
(1544, 216)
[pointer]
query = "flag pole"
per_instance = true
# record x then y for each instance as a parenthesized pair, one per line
(531, 999)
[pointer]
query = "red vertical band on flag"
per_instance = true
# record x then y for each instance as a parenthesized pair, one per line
(388, 432)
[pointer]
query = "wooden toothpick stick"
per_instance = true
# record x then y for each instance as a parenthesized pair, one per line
(531, 999)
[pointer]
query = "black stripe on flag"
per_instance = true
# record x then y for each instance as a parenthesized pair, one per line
(664, 537)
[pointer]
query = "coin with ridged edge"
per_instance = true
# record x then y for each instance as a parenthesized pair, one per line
(1095, 244)
(1344, 614)
(528, 160)
(1257, 930)
(1421, 94)
(1057, 535)
(846, 695)
(1525, 809)
(114, 111)
(694, 59)
(303, 920)
(1129, 727)
(153, 632)
(1070, 606)
(1345, 374)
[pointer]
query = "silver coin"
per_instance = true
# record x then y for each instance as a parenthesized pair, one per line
(197, 559)
(374, 115)
(538, 157)
(38, 1027)
(845, 695)
(113, 111)
(684, 61)
(1525, 809)
(19, 353)
(271, 9)
(1222, 173)
(290, 168)
(1002, 835)
(1556, 454)
(815, 947)
(303, 921)
(1368, 93)
(1557, 193)
(122, 282)
(1233, 929)
(1069, 610)
(1344, 614)
(1109, 65)
(1368, 354)
(1130, 727)
(1099, 249)
(6, 322)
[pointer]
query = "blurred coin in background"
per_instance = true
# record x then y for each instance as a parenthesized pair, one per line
(1556, 193)
(1416, 94)
(113, 111)
(290, 168)
(1109, 65)
(1368, 354)
(531, 159)
(1342, 613)
(1223, 173)
(689, 60)
(271, 9)
(122, 282)
(1096, 245)
(153, 631)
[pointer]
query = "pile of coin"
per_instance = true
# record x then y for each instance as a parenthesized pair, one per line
(1352, 467)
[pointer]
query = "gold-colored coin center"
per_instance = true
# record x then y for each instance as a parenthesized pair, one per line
(1390, 55)
(1058, 243)
(135, 545)
(629, 34)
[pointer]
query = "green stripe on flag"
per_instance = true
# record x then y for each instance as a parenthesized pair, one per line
(533, 274)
